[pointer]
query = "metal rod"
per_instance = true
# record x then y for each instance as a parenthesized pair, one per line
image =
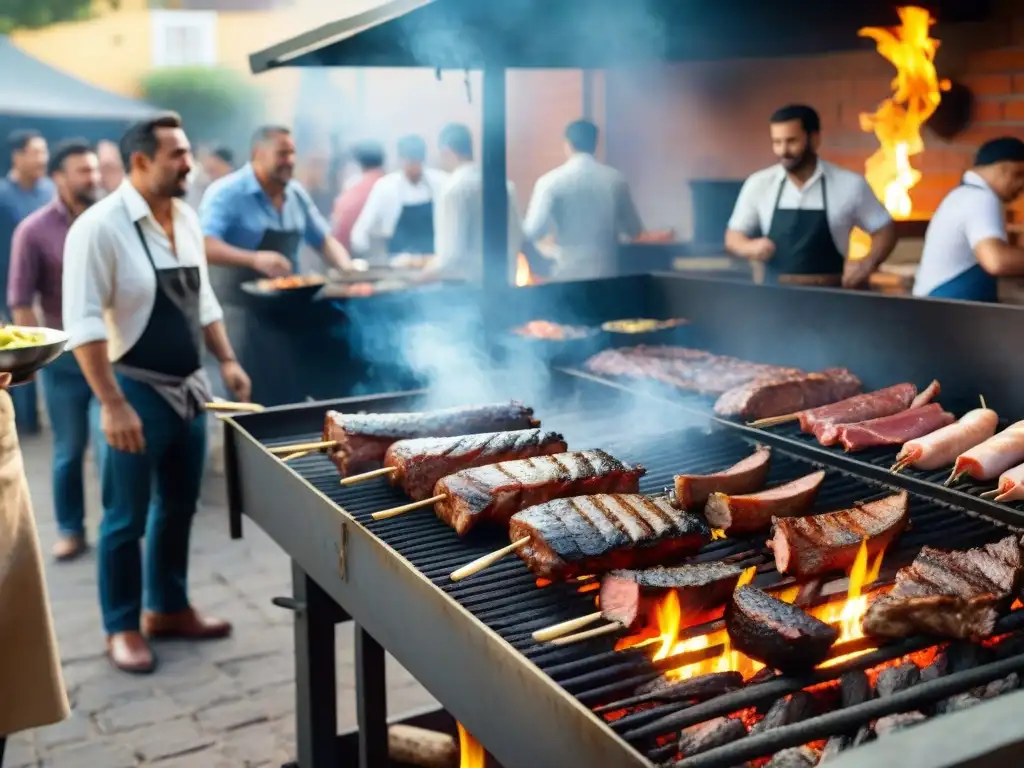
(232, 481)
(494, 164)
(371, 701)
(316, 715)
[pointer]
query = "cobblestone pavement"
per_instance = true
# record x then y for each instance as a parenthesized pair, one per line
(224, 704)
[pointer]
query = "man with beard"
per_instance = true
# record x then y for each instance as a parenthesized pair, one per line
(138, 308)
(796, 217)
(37, 265)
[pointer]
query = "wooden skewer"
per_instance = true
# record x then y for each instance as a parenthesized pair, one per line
(557, 630)
(395, 512)
(900, 465)
(296, 455)
(773, 420)
(368, 475)
(982, 398)
(226, 405)
(579, 637)
(295, 447)
(991, 494)
(953, 477)
(487, 560)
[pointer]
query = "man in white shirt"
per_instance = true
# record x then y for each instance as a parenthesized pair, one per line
(586, 205)
(399, 213)
(965, 247)
(796, 217)
(138, 307)
(459, 212)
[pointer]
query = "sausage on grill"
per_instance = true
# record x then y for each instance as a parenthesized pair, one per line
(363, 438)
(495, 492)
(421, 462)
(690, 492)
(941, 447)
(752, 512)
(994, 456)
(595, 534)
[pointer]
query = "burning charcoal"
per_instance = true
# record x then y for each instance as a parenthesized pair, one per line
(1011, 646)
(833, 747)
(963, 656)
(895, 679)
(786, 711)
(763, 675)
(936, 669)
(854, 689)
(892, 723)
(699, 688)
(797, 757)
(1004, 685)
(957, 703)
(711, 735)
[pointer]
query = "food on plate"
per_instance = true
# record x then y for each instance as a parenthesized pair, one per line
(824, 422)
(289, 281)
(894, 430)
(642, 325)
(16, 337)
(545, 329)
(594, 534)
(630, 597)
(495, 492)
(989, 459)
(761, 399)
(942, 447)
(690, 492)
(817, 544)
(752, 512)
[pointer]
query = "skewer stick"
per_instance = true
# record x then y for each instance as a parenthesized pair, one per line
(396, 511)
(953, 477)
(579, 637)
(773, 420)
(982, 398)
(353, 479)
(991, 494)
(227, 405)
(296, 455)
(900, 465)
(557, 630)
(487, 560)
(295, 447)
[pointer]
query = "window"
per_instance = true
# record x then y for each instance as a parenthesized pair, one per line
(184, 38)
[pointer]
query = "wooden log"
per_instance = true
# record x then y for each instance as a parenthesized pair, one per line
(409, 745)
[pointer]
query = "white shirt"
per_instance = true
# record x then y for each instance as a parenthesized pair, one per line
(851, 202)
(965, 217)
(387, 198)
(108, 283)
(589, 208)
(459, 225)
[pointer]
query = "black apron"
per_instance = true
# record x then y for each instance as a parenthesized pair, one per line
(803, 241)
(974, 284)
(227, 281)
(173, 335)
(414, 230)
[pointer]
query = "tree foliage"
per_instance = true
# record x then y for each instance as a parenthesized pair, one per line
(33, 14)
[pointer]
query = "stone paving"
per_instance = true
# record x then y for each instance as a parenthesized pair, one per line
(225, 704)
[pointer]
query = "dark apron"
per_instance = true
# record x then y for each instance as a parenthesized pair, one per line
(173, 336)
(973, 285)
(414, 230)
(805, 252)
(227, 281)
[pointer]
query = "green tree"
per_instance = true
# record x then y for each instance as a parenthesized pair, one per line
(32, 14)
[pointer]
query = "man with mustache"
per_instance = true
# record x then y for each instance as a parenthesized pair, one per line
(138, 308)
(796, 217)
(37, 264)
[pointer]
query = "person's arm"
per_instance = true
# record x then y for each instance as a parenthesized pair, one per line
(537, 223)
(985, 227)
(23, 277)
(216, 217)
(742, 232)
(872, 217)
(629, 222)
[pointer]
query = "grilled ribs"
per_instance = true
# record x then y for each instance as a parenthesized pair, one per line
(950, 594)
(421, 462)
(764, 398)
(630, 597)
(495, 492)
(363, 438)
(595, 534)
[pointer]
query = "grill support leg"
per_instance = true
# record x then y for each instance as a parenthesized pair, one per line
(371, 700)
(316, 706)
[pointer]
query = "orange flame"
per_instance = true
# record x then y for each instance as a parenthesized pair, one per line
(523, 274)
(848, 613)
(471, 751)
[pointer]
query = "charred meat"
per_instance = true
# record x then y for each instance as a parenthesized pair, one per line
(690, 492)
(764, 398)
(630, 597)
(817, 544)
(495, 492)
(596, 534)
(752, 512)
(777, 633)
(421, 462)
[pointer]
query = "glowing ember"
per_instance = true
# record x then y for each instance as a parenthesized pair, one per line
(471, 752)
(898, 120)
(847, 614)
(523, 274)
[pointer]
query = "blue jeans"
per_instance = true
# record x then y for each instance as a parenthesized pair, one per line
(67, 396)
(152, 495)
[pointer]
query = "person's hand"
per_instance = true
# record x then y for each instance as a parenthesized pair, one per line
(122, 427)
(761, 249)
(271, 264)
(857, 274)
(236, 380)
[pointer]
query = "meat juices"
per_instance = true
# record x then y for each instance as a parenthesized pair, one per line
(817, 544)
(761, 399)
(821, 422)
(994, 456)
(690, 492)
(941, 447)
(363, 438)
(495, 492)
(629, 596)
(421, 462)
(595, 534)
(753, 512)
(896, 429)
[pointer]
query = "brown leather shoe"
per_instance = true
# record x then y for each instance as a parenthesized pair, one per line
(129, 652)
(184, 625)
(69, 547)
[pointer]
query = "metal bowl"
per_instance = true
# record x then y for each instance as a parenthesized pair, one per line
(23, 362)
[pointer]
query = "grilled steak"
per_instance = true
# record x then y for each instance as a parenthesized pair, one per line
(821, 422)
(495, 492)
(777, 633)
(810, 546)
(753, 512)
(630, 597)
(421, 462)
(894, 430)
(596, 534)
(690, 492)
(363, 438)
(949, 594)
(763, 398)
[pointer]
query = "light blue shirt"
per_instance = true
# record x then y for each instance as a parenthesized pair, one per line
(235, 209)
